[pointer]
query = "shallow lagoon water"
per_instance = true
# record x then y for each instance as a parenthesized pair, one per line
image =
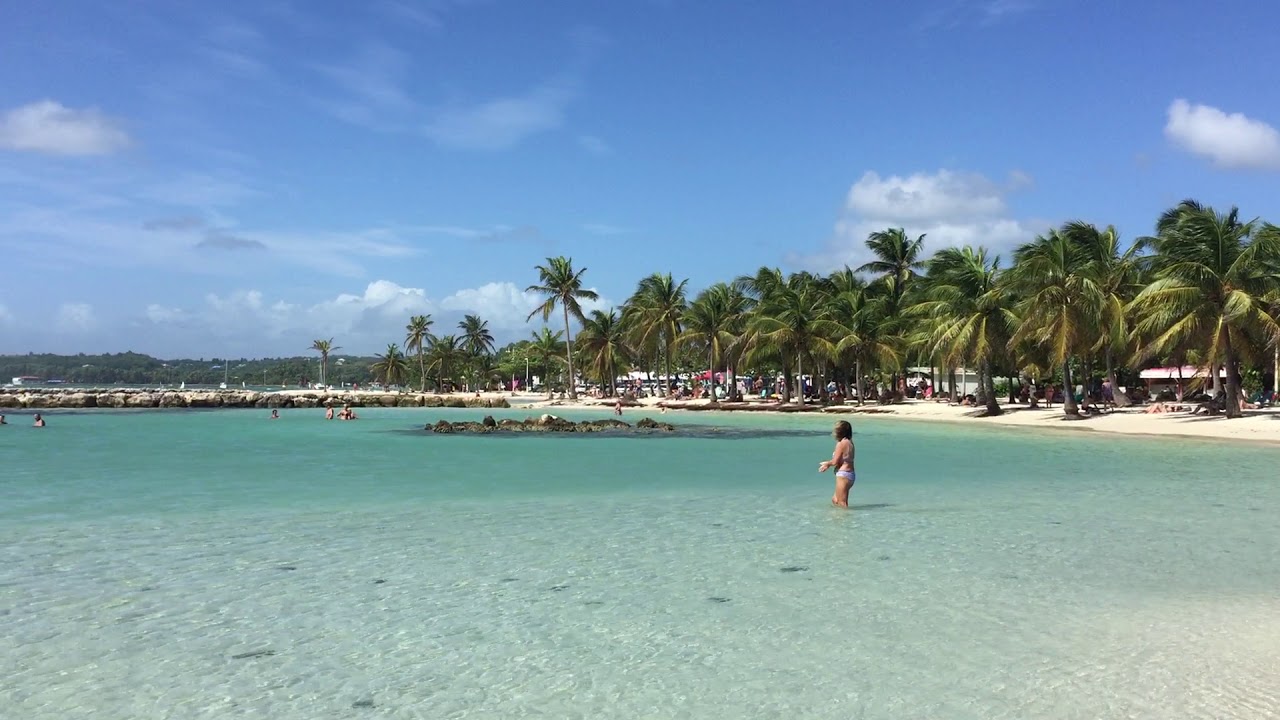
(219, 564)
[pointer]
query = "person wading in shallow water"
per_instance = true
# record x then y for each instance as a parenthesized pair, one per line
(842, 461)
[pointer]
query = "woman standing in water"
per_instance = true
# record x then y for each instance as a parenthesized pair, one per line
(842, 461)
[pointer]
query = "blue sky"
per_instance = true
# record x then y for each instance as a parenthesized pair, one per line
(202, 179)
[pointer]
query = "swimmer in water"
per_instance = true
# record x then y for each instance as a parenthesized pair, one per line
(842, 461)
(328, 412)
(275, 414)
(39, 421)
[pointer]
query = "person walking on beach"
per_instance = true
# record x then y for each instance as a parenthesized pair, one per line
(842, 461)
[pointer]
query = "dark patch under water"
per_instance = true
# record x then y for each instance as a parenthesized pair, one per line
(710, 432)
(794, 568)
(254, 654)
(718, 599)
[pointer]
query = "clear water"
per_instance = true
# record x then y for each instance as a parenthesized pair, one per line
(217, 564)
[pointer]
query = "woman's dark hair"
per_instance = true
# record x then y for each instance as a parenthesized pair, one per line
(844, 430)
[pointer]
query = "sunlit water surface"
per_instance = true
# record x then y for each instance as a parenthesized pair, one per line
(219, 564)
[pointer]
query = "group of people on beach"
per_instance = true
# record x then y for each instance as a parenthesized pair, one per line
(38, 421)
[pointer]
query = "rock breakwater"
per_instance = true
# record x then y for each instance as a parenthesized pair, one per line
(122, 398)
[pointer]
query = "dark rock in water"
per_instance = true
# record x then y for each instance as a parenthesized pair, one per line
(558, 588)
(379, 581)
(254, 654)
(718, 599)
(363, 704)
(544, 424)
(794, 568)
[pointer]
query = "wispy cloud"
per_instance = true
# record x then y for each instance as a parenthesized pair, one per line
(218, 240)
(49, 127)
(594, 145)
(503, 122)
(371, 89)
(956, 13)
(606, 230)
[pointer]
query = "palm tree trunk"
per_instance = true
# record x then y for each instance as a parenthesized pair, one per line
(711, 374)
(422, 369)
(993, 402)
(568, 347)
(1068, 390)
(1233, 384)
(786, 383)
(1121, 399)
(800, 377)
(857, 379)
(951, 386)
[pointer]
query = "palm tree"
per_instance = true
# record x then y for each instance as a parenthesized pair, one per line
(476, 338)
(603, 340)
(445, 353)
(653, 315)
(793, 322)
(1212, 275)
(970, 313)
(1117, 273)
(563, 286)
(897, 260)
(546, 349)
(1062, 303)
(324, 347)
(860, 334)
(709, 323)
(390, 367)
(417, 337)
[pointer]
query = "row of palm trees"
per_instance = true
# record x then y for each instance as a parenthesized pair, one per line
(1204, 289)
(444, 360)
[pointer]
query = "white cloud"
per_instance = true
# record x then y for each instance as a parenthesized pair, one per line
(49, 127)
(161, 314)
(501, 123)
(6, 317)
(951, 208)
(1229, 141)
(360, 322)
(75, 317)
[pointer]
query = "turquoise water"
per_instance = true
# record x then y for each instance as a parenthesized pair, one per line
(212, 564)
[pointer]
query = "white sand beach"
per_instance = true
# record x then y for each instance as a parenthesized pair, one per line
(1256, 425)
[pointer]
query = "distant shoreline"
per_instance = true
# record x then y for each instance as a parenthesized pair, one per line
(1257, 426)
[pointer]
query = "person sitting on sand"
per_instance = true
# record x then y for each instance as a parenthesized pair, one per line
(39, 421)
(842, 461)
